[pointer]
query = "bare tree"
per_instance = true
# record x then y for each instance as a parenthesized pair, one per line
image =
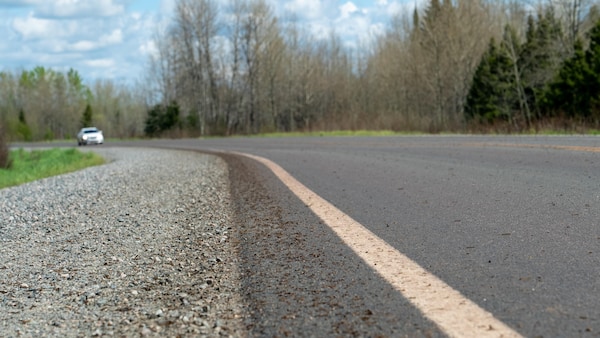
(232, 64)
(260, 30)
(572, 14)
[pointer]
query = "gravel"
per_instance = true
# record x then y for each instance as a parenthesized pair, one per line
(122, 249)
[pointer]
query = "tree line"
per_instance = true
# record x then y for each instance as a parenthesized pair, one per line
(549, 75)
(45, 104)
(455, 65)
(234, 67)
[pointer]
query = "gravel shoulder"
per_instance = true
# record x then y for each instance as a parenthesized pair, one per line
(122, 249)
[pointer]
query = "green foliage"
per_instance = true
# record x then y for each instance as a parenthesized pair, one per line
(334, 133)
(575, 91)
(52, 102)
(540, 58)
(162, 118)
(491, 96)
(33, 165)
(86, 119)
(5, 158)
(48, 135)
(152, 128)
(511, 81)
(23, 129)
(568, 93)
(22, 116)
(193, 121)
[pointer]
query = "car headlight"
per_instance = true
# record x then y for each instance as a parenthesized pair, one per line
(84, 137)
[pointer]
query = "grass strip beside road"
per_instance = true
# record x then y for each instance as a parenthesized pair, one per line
(334, 133)
(33, 165)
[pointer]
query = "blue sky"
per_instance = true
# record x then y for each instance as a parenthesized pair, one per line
(112, 39)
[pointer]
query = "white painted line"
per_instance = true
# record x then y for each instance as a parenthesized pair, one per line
(454, 314)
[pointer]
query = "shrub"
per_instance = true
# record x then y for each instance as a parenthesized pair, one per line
(5, 160)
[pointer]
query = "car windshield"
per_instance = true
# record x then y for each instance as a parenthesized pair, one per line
(90, 131)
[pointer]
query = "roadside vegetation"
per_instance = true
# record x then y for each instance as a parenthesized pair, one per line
(32, 165)
(5, 160)
(334, 133)
(236, 68)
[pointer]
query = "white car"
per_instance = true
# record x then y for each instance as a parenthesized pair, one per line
(90, 136)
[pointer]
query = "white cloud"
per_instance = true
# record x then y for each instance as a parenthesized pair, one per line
(115, 37)
(31, 28)
(80, 8)
(348, 9)
(305, 8)
(148, 48)
(60, 32)
(83, 46)
(167, 7)
(404, 7)
(100, 63)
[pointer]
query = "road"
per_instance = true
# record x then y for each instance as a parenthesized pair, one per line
(511, 223)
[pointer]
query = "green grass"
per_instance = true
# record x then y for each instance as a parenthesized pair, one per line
(333, 133)
(33, 165)
(551, 132)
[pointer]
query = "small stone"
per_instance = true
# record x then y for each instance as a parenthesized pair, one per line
(159, 313)
(145, 331)
(134, 292)
(24, 286)
(200, 322)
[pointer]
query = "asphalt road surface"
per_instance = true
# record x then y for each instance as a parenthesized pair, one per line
(512, 223)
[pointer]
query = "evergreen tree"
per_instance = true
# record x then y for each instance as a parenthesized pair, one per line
(152, 127)
(432, 14)
(86, 119)
(492, 93)
(568, 93)
(414, 34)
(170, 117)
(161, 118)
(575, 91)
(22, 128)
(540, 58)
(5, 160)
(592, 80)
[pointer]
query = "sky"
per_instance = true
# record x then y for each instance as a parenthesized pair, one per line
(113, 39)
